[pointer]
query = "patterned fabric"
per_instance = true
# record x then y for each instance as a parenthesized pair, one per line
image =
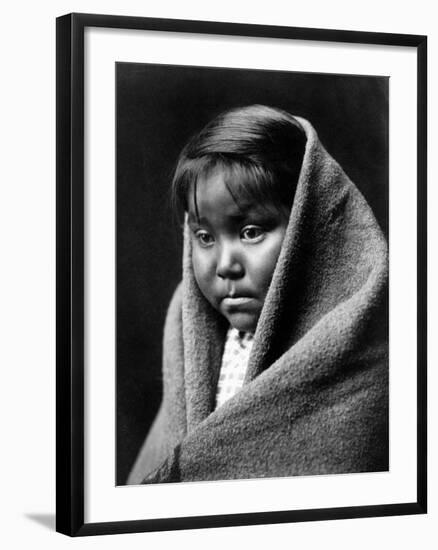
(234, 362)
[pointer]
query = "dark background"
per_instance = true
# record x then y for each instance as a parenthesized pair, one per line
(158, 108)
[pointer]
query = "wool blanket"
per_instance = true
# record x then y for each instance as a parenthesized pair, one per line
(315, 395)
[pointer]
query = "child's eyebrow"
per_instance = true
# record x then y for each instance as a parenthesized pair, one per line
(241, 216)
(193, 219)
(249, 210)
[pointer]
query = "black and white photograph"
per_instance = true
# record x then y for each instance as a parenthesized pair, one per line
(252, 274)
(240, 274)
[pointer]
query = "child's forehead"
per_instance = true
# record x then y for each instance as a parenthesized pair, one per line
(213, 199)
(230, 181)
(213, 193)
(238, 187)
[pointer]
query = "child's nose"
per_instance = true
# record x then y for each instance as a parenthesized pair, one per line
(229, 265)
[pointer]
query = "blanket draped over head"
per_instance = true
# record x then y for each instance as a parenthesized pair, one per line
(315, 395)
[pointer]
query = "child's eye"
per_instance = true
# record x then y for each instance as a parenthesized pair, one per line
(252, 233)
(204, 238)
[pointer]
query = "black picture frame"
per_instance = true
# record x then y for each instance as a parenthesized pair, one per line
(70, 51)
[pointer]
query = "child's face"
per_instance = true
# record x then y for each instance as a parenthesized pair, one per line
(235, 250)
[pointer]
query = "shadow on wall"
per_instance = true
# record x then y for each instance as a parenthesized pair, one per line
(46, 520)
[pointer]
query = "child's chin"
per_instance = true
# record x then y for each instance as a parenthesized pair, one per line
(243, 322)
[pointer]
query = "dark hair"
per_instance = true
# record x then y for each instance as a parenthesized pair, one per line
(259, 149)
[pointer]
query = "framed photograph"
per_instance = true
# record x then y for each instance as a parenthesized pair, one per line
(241, 274)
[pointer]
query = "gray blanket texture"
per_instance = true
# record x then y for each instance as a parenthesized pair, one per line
(315, 396)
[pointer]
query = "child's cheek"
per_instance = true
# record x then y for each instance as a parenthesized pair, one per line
(204, 271)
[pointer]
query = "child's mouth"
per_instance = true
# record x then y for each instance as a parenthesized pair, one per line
(236, 301)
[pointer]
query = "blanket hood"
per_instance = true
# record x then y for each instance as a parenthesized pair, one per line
(316, 383)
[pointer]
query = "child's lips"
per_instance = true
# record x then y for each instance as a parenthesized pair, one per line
(236, 300)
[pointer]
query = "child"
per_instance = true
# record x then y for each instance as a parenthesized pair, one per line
(275, 343)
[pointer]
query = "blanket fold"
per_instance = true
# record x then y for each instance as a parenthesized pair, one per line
(315, 396)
